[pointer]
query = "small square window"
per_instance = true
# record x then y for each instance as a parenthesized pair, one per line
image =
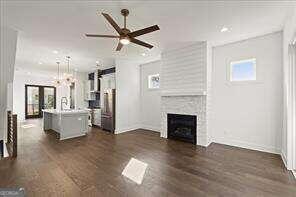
(153, 81)
(244, 70)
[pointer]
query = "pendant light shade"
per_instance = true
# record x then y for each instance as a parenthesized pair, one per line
(57, 82)
(68, 76)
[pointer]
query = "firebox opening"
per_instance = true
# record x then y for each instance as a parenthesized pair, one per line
(182, 127)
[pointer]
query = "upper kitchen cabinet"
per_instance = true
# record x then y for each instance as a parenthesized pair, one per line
(108, 82)
(92, 85)
(94, 82)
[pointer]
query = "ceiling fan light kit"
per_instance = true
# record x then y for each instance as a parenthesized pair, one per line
(125, 35)
(124, 40)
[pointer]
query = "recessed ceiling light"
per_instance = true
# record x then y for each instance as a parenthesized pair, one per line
(97, 62)
(143, 54)
(39, 63)
(28, 73)
(55, 52)
(224, 29)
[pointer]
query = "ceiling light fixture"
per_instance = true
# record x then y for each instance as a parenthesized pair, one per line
(40, 63)
(124, 40)
(224, 29)
(57, 81)
(68, 77)
(143, 54)
(97, 62)
(55, 52)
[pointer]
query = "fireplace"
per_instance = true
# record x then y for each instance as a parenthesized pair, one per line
(182, 127)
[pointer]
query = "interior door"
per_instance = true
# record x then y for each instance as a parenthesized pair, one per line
(38, 98)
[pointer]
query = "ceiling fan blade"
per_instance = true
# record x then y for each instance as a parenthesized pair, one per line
(103, 36)
(144, 31)
(139, 42)
(119, 46)
(113, 23)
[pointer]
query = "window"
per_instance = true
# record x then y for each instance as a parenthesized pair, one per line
(244, 70)
(153, 81)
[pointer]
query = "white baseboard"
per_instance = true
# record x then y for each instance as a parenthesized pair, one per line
(209, 142)
(126, 129)
(294, 173)
(246, 145)
(284, 158)
(149, 127)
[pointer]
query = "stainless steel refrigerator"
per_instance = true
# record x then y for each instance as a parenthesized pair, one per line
(108, 110)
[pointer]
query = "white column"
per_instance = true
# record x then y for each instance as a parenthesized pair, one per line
(8, 41)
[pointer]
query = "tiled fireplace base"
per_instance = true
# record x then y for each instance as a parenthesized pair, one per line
(188, 105)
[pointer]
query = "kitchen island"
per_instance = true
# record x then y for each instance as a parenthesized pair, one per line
(68, 123)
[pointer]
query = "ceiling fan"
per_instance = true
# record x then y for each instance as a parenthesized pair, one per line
(125, 35)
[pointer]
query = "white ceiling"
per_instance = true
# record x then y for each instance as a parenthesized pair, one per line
(45, 26)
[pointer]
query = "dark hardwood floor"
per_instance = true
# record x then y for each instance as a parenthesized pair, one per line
(92, 166)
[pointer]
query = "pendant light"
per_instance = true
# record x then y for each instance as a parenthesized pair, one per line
(68, 77)
(57, 81)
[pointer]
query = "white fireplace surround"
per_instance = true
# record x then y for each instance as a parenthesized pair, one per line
(186, 105)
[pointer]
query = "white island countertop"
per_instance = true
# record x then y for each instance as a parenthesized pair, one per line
(66, 111)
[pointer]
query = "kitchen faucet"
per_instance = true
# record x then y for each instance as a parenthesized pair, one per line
(64, 100)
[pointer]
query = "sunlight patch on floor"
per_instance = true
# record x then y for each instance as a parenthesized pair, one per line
(27, 126)
(135, 170)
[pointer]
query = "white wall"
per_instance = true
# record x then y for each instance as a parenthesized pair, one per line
(80, 103)
(249, 114)
(289, 33)
(150, 98)
(127, 96)
(21, 79)
(8, 42)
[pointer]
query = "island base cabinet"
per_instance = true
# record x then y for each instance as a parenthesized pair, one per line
(68, 125)
(74, 126)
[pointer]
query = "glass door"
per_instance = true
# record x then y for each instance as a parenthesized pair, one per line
(49, 98)
(38, 98)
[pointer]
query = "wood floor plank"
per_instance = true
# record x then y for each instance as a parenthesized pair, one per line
(92, 166)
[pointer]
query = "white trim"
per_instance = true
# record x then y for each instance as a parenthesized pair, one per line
(284, 158)
(291, 108)
(5, 152)
(126, 129)
(293, 104)
(152, 128)
(294, 173)
(238, 62)
(247, 145)
(208, 143)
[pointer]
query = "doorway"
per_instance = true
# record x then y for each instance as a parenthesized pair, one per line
(37, 98)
